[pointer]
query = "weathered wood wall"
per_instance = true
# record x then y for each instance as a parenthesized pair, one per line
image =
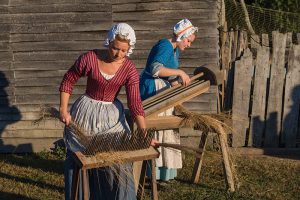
(40, 40)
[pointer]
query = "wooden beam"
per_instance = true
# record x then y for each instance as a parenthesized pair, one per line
(163, 122)
(177, 99)
(284, 152)
(85, 162)
(159, 95)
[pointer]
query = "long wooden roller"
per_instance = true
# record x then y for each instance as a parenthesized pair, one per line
(174, 96)
(157, 96)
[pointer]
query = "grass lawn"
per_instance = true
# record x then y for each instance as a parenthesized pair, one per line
(40, 176)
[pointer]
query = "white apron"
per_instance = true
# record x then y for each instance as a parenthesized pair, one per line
(170, 158)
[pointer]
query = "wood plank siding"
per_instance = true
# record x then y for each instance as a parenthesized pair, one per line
(41, 39)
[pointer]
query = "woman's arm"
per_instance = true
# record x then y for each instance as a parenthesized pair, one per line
(159, 70)
(140, 122)
(166, 72)
(63, 108)
(80, 68)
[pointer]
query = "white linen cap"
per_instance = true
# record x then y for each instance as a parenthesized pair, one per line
(124, 30)
(183, 29)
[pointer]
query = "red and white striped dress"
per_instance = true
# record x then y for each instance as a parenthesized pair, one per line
(99, 111)
(98, 88)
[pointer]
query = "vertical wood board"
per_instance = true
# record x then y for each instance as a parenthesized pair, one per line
(273, 124)
(257, 123)
(241, 98)
(291, 99)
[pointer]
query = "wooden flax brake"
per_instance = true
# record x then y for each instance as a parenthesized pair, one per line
(169, 98)
(159, 103)
(175, 96)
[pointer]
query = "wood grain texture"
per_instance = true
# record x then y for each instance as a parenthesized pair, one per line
(257, 124)
(241, 99)
(290, 117)
(274, 108)
(41, 39)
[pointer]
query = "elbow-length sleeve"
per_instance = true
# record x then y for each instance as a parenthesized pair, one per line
(134, 101)
(160, 56)
(79, 69)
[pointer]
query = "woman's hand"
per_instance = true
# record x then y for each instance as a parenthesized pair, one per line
(184, 78)
(154, 143)
(174, 83)
(65, 117)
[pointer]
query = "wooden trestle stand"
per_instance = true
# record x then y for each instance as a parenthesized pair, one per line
(176, 96)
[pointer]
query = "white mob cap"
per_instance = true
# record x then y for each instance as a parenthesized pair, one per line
(124, 30)
(184, 29)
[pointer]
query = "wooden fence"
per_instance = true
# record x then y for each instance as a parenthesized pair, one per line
(262, 87)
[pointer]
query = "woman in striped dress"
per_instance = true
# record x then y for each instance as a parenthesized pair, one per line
(160, 73)
(98, 110)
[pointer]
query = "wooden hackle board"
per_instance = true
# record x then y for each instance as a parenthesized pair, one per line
(104, 160)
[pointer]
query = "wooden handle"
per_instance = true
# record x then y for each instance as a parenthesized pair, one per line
(189, 149)
(146, 101)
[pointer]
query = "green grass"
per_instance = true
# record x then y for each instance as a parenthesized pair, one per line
(259, 177)
(31, 176)
(40, 176)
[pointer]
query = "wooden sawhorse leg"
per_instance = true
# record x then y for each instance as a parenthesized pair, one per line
(141, 189)
(85, 186)
(142, 180)
(226, 162)
(75, 183)
(153, 180)
(199, 160)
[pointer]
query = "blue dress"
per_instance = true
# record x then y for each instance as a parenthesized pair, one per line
(150, 84)
(163, 53)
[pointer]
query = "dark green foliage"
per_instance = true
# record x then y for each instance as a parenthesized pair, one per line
(265, 16)
(282, 5)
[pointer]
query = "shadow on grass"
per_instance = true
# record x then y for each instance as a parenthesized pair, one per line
(32, 182)
(285, 154)
(201, 185)
(6, 195)
(34, 161)
(185, 190)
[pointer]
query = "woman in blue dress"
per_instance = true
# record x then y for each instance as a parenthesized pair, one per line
(162, 72)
